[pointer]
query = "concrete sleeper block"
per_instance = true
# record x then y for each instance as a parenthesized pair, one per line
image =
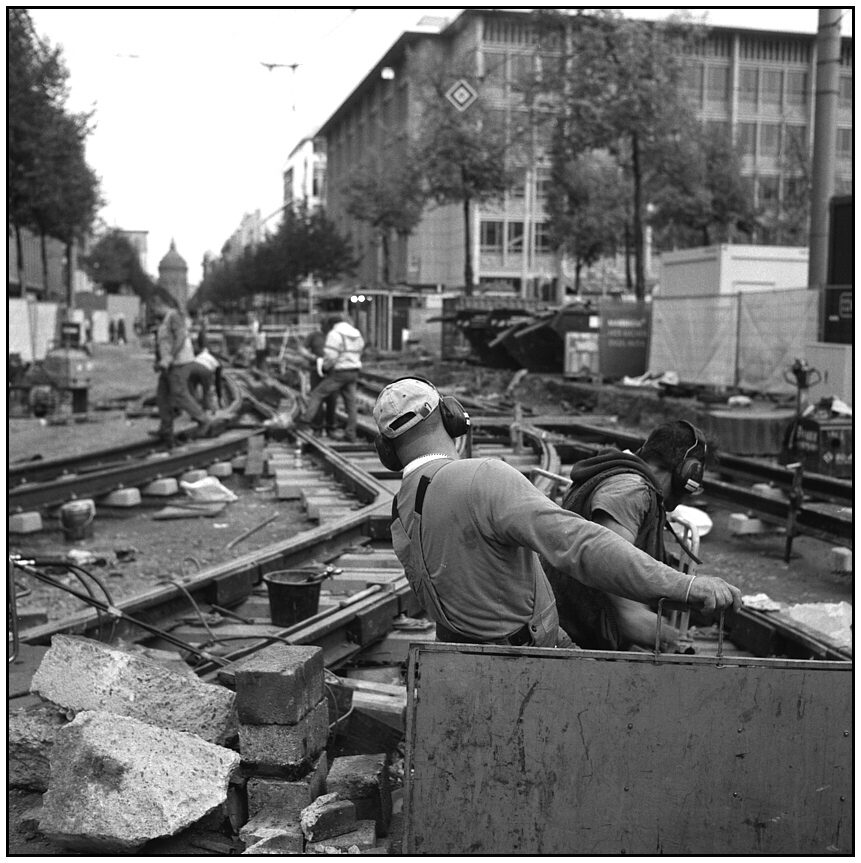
(164, 487)
(25, 522)
(328, 817)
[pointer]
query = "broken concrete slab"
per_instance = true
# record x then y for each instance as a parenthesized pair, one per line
(29, 740)
(81, 674)
(117, 783)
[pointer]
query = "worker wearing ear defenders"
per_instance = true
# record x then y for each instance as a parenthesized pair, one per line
(469, 533)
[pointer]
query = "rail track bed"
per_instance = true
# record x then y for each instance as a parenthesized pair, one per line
(332, 503)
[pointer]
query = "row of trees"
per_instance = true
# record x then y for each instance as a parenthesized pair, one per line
(50, 188)
(306, 245)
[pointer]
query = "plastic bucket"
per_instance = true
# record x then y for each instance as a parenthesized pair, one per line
(76, 518)
(294, 594)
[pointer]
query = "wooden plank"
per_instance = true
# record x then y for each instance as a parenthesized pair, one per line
(531, 751)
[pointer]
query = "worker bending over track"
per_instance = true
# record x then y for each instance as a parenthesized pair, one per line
(469, 532)
(631, 495)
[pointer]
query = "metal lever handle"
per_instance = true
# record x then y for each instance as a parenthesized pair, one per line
(680, 606)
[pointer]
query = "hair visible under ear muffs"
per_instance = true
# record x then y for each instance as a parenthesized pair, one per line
(688, 474)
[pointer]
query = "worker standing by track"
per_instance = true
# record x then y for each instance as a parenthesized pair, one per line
(174, 358)
(469, 533)
(631, 495)
(342, 360)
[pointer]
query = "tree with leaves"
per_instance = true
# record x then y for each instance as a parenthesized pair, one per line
(386, 191)
(51, 189)
(618, 87)
(467, 157)
(114, 263)
(587, 206)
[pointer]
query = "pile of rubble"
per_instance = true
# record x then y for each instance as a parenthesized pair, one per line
(136, 757)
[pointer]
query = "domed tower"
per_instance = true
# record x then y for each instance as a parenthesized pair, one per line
(173, 275)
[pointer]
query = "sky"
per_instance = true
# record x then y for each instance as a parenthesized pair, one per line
(193, 131)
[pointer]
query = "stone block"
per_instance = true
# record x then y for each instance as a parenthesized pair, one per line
(743, 525)
(123, 497)
(364, 779)
(279, 685)
(238, 463)
(840, 559)
(221, 469)
(286, 746)
(164, 487)
(81, 674)
(25, 522)
(271, 824)
(363, 837)
(328, 817)
(117, 783)
(194, 475)
(287, 797)
(284, 843)
(30, 737)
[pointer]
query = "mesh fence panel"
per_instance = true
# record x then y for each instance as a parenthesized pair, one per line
(695, 337)
(774, 329)
(747, 340)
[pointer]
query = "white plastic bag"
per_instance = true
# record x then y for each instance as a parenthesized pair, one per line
(208, 489)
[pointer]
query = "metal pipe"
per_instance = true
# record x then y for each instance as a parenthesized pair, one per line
(824, 141)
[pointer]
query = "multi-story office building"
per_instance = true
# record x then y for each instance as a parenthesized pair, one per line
(759, 85)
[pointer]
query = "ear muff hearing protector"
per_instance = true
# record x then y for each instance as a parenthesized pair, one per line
(455, 421)
(688, 474)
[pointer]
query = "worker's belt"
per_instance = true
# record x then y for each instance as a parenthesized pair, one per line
(521, 638)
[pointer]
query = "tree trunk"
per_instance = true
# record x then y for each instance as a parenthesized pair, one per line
(467, 266)
(639, 262)
(43, 248)
(384, 242)
(578, 265)
(629, 279)
(70, 274)
(19, 249)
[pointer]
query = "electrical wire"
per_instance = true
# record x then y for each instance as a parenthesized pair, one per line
(190, 598)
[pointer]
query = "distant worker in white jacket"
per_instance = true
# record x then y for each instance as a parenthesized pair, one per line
(342, 359)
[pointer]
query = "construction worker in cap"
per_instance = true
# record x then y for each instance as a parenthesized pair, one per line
(469, 533)
(630, 494)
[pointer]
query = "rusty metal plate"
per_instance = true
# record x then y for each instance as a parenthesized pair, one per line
(530, 751)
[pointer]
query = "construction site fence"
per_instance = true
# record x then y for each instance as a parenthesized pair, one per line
(744, 340)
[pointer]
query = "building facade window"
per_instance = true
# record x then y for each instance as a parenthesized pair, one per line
(844, 143)
(747, 138)
(491, 236)
(717, 84)
(796, 89)
(693, 82)
(845, 91)
(748, 86)
(514, 238)
(796, 140)
(768, 192)
(542, 184)
(542, 237)
(772, 87)
(494, 68)
(769, 140)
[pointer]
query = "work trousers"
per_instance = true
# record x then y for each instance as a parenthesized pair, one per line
(336, 381)
(173, 392)
(325, 416)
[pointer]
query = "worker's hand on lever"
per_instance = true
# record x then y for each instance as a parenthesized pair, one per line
(709, 593)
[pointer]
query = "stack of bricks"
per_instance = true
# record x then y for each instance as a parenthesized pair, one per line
(283, 730)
